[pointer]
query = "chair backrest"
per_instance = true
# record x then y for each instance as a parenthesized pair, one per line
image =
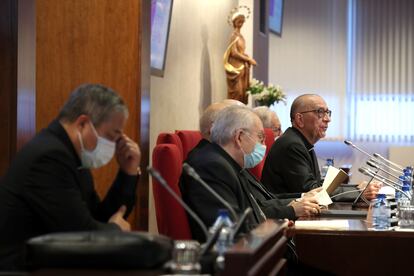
(269, 140)
(172, 220)
(170, 138)
(189, 139)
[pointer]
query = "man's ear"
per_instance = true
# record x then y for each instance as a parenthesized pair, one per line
(81, 121)
(237, 137)
(299, 120)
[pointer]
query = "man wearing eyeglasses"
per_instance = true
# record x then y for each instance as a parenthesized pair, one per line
(269, 119)
(291, 165)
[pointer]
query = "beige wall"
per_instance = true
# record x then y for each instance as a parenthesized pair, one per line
(310, 56)
(194, 75)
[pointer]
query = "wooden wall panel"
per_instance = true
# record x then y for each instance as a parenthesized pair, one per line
(89, 41)
(8, 81)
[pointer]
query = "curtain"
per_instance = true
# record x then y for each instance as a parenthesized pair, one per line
(380, 77)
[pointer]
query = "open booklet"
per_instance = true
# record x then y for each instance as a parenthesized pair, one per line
(334, 177)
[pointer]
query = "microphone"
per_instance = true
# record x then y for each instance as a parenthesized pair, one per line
(374, 165)
(379, 162)
(387, 182)
(383, 177)
(191, 172)
(349, 143)
(154, 173)
(362, 191)
(241, 221)
(377, 155)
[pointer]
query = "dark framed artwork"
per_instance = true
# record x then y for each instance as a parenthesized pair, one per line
(276, 16)
(160, 27)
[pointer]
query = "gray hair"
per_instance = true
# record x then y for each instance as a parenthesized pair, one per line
(228, 121)
(94, 100)
(265, 114)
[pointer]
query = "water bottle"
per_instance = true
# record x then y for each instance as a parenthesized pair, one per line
(404, 214)
(225, 238)
(408, 176)
(381, 213)
(324, 169)
(398, 194)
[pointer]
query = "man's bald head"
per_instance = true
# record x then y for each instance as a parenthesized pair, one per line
(302, 103)
(233, 102)
(209, 116)
(310, 115)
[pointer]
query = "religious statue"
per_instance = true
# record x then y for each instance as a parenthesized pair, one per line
(236, 62)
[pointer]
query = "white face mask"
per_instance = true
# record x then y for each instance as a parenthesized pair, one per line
(100, 156)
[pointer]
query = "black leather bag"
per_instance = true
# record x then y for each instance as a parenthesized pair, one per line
(109, 249)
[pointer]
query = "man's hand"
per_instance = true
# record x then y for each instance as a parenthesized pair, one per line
(118, 219)
(128, 155)
(308, 206)
(372, 190)
(313, 192)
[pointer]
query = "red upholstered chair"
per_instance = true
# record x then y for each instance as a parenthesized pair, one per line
(270, 138)
(170, 138)
(189, 139)
(172, 220)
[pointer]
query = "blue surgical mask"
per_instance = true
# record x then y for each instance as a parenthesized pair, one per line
(100, 156)
(256, 156)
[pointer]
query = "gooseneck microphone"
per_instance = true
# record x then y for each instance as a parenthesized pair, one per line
(154, 173)
(191, 172)
(349, 143)
(375, 166)
(387, 182)
(374, 157)
(377, 155)
(241, 221)
(383, 177)
(380, 163)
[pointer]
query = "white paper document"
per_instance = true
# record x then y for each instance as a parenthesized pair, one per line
(334, 177)
(336, 224)
(323, 198)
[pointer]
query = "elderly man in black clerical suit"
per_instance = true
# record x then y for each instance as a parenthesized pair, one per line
(291, 165)
(236, 144)
(49, 187)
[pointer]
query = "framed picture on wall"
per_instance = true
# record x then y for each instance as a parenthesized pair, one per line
(160, 28)
(276, 16)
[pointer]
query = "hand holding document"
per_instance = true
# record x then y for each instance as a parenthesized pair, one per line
(334, 177)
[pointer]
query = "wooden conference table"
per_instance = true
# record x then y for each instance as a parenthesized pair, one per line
(356, 250)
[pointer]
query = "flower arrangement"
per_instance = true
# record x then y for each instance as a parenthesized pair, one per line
(266, 95)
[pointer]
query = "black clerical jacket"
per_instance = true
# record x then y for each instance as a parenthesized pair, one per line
(235, 184)
(46, 190)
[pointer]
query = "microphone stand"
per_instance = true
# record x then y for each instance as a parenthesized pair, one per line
(239, 221)
(191, 172)
(362, 191)
(164, 184)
